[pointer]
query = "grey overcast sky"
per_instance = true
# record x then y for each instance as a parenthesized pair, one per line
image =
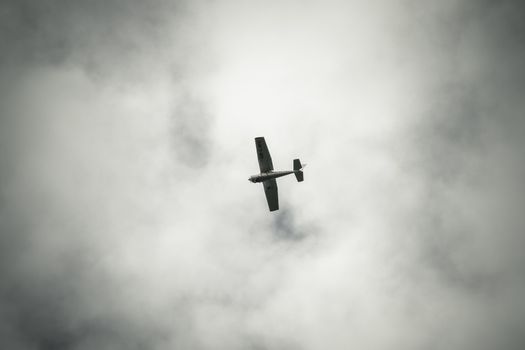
(126, 141)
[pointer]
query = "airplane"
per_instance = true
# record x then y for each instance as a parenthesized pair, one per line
(268, 175)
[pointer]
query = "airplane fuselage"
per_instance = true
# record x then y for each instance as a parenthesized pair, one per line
(269, 175)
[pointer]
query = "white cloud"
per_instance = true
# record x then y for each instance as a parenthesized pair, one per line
(127, 214)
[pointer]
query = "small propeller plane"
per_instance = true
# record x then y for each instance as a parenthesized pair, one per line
(268, 175)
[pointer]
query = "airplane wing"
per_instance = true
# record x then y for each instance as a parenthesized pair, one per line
(263, 155)
(270, 190)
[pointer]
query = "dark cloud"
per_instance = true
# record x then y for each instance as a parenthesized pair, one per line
(471, 118)
(55, 291)
(191, 131)
(469, 155)
(95, 34)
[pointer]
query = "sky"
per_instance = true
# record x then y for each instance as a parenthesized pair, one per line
(126, 142)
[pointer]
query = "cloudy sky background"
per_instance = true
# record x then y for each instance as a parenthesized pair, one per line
(126, 141)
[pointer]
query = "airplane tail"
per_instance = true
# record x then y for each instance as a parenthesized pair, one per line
(298, 170)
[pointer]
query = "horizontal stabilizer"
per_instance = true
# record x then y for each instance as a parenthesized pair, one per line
(297, 166)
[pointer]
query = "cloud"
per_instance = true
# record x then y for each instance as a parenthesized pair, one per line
(126, 138)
